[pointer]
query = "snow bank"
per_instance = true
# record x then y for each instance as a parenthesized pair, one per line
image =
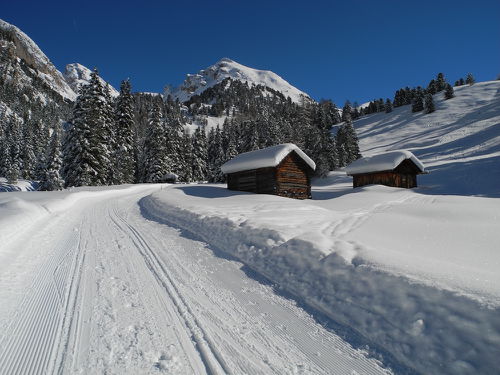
(382, 162)
(304, 247)
(266, 157)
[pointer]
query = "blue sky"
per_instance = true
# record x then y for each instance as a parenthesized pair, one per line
(357, 50)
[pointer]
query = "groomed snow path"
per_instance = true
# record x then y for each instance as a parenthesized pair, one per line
(100, 289)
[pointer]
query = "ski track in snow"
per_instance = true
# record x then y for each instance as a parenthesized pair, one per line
(114, 293)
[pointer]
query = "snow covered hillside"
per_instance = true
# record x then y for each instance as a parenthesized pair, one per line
(195, 84)
(77, 75)
(459, 143)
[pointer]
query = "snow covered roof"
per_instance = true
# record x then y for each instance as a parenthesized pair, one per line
(266, 157)
(382, 162)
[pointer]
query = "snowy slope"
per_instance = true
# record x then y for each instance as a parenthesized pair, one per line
(227, 68)
(91, 287)
(77, 75)
(26, 49)
(459, 143)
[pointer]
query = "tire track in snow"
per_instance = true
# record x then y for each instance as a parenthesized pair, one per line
(211, 358)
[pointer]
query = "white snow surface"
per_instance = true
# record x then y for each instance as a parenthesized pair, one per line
(195, 84)
(414, 274)
(266, 157)
(27, 50)
(78, 75)
(89, 286)
(382, 162)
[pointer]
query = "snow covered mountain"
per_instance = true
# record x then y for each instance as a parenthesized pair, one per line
(77, 75)
(195, 84)
(19, 47)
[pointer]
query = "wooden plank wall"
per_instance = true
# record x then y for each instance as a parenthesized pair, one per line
(393, 179)
(293, 177)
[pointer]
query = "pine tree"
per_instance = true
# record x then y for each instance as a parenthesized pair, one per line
(155, 157)
(449, 92)
(347, 110)
(51, 179)
(418, 101)
(347, 143)
(13, 150)
(124, 160)
(388, 106)
(429, 104)
(86, 145)
(432, 87)
(440, 82)
(470, 79)
(200, 156)
(215, 156)
(28, 156)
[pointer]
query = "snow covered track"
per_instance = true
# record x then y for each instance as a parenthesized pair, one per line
(99, 289)
(29, 344)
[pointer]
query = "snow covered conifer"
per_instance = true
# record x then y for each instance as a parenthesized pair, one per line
(155, 156)
(51, 179)
(199, 166)
(27, 155)
(429, 103)
(432, 87)
(388, 106)
(449, 92)
(187, 157)
(123, 155)
(440, 82)
(215, 156)
(347, 143)
(347, 110)
(12, 158)
(470, 79)
(418, 101)
(86, 151)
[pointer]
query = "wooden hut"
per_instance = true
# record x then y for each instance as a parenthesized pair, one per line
(283, 170)
(393, 168)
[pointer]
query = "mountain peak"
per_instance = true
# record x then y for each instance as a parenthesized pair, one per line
(77, 75)
(195, 84)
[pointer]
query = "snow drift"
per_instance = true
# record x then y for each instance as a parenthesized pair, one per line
(429, 324)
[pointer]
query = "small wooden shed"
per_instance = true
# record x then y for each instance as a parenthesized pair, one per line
(283, 170)
(394, 168)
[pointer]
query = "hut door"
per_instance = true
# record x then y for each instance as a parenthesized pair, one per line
(404, 181)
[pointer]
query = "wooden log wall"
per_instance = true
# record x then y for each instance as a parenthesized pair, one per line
(293, 177)
(389, 178)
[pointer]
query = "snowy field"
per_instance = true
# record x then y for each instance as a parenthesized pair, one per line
(88, 286)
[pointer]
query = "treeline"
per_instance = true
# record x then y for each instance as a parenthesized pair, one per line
(143, 138)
